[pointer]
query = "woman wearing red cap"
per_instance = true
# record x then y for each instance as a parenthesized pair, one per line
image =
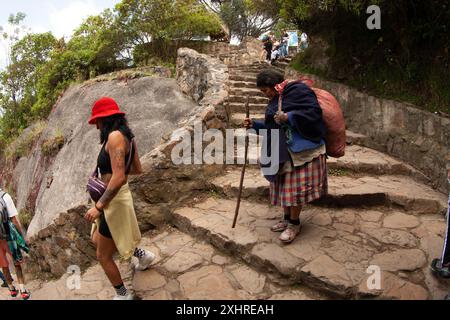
(115, 227)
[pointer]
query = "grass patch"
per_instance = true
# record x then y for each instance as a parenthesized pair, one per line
(214, 194)
(52, 145)
(25, 217)
(339, 172)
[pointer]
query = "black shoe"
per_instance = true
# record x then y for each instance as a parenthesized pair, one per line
(439, 270)
(4, 285)
(447, 297)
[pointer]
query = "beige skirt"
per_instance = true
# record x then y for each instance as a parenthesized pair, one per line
(122, 223)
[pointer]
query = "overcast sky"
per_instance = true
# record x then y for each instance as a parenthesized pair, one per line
(60, 17)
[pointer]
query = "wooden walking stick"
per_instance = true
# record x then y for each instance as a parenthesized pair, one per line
(241, 185)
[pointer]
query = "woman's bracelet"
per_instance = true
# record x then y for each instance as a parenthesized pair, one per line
(98, 208)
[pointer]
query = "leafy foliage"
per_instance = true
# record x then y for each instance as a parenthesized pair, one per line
(408, 59)
(40, 67)
(245, 17)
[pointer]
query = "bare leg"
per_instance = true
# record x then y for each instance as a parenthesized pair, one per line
(295, 212)
(105, 251)
(8, 278)
(19, 273)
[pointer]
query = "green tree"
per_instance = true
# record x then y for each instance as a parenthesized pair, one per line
(245, 17)
(145, 20)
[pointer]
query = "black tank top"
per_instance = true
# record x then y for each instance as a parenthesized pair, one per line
(104, 161)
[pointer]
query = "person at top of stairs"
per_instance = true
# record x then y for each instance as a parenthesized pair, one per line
(302, 169)
(267, 47)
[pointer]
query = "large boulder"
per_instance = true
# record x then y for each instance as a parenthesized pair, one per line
(58, 183)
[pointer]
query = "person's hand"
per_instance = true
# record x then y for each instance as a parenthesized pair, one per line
(281, 117)
(92, 215)
(248, 123)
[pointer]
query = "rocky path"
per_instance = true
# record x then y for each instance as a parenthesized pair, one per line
(389, 221)
(94, 285)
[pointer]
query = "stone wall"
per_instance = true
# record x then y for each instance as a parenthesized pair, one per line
(246, 53)
(203, 78)
(417, 137)
(64, 243)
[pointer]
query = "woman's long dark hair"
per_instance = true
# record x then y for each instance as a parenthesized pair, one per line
(114, 123)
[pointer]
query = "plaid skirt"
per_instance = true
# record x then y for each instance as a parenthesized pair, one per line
(303, 185)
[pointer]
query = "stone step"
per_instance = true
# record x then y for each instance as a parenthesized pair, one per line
(244, 78)
(242, 84)
(355, 138)
(236, 72)
(253, 92)
(252, 99)
(237, 119)
(357, 160)
(254, 108)
(346, 190)
(187, 268)
(334, 249)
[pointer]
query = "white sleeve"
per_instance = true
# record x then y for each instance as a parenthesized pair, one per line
(12, 211)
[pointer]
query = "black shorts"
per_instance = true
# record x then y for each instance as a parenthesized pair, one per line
(103, 229)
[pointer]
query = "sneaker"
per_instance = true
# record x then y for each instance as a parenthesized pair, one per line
(25, 295)
(290, 234)
(439, 270)
(280, 226)
(13, 292)
(145, 261)
(129, 296)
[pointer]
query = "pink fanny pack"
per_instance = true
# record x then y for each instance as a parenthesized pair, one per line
(96, 187)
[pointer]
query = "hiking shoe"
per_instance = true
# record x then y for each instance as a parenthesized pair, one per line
(13, 292)
(145, 262)
(129, 296)
(280, 226)
(25, 295)
(290, 233)
(439, 270)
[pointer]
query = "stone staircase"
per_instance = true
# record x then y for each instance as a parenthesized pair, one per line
(242, 82)
(376, 214)
(379, 212)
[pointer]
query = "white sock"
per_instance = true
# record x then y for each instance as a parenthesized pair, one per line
(21, 287)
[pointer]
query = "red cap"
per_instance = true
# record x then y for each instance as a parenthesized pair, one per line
(103, 108)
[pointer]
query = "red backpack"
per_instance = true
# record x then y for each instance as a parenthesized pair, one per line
(333, 117)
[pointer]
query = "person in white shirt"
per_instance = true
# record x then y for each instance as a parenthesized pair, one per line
(303, 41)
(9, 219)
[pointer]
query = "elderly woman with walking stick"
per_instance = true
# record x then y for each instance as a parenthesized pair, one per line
(302, 167)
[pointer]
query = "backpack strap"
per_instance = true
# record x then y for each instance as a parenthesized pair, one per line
(3, 210)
